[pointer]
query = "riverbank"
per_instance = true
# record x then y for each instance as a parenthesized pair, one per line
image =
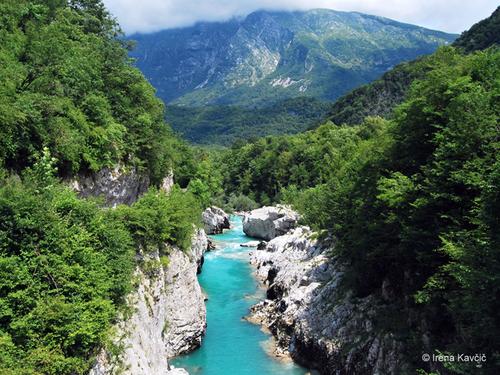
(314, 318)
(232, 345)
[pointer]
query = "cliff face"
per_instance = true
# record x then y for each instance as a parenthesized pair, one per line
(313, 318)
(184, 302)
(167, 315)
(118, 185)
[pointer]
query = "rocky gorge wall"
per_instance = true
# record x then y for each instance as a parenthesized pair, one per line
(313, 317)
(118, 185)
(165, 313)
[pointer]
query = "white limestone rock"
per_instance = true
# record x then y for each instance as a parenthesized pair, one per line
(116, 185)
(200, 244)
(269, 222)
(168, 315)
(168, 182)
(312, 319)
(185, 318)
(215, 220)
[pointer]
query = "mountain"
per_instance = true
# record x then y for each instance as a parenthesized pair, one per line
(267, 57)
(381, 96)
(275, 55)
(482, 35)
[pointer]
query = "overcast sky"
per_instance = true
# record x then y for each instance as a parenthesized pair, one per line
(152, 15)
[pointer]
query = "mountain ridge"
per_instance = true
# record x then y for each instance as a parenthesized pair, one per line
(245, 65)
(380, 97)
(271, 55)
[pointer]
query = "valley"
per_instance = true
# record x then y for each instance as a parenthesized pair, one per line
(354, 157)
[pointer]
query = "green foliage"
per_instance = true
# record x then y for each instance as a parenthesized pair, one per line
(422, 211)
(380, 97)
(43, 171)
(206, 181)
(240, 202)
(482, 35)
(68, 84)
(158, 218)
(413, 201)
(224, 125)
(267, 168)
(65, 266)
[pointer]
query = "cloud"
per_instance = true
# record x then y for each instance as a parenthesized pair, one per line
(153, 15)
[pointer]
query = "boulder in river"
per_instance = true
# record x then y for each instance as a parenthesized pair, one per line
(250, 244)
(269, 222)
(215, 220)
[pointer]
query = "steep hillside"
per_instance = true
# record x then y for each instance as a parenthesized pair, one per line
(72, 105)
(382, 96)
(268, 56)
(239, 69)
(482, 35)
(67, 84)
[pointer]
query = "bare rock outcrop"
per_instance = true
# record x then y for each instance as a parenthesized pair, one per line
(168, 182)
(315, 321)
(215, 220)
(185, 320)
(168, 315)
(269, 222)
(201, 244)
(117, 185)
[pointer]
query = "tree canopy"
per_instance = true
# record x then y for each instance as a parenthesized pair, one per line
(413, 202)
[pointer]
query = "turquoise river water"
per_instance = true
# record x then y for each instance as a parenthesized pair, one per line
(232, 346)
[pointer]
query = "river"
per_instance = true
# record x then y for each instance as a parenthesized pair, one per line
(232, 346)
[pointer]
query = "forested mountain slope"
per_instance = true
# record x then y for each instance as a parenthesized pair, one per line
(254, 62)
(380, 97)
(482, 35)
(226, 124)
(68, 84)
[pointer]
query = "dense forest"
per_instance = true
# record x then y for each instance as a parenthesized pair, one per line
(71, 102)
(380, 97)
(225, 125)
(413, 201)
